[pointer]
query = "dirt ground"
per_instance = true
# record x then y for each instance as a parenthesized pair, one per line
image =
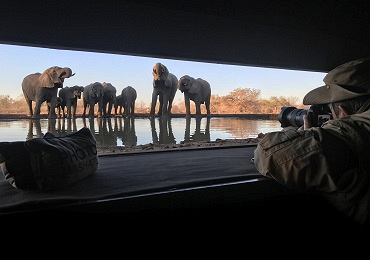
(189, 145)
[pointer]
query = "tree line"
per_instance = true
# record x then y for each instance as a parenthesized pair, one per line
(238, 101)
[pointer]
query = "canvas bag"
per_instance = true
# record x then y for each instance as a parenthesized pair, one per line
(50, 162)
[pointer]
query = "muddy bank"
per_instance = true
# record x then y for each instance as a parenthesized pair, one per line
(104, 150)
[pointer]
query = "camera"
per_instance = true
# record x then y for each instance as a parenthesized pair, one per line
(292, 116)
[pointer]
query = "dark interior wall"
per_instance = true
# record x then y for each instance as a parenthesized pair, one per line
(303, 35)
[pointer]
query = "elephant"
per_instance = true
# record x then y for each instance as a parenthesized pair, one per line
(164, 86)
(93, 94)
(129, 96)
(43, 87)
(197, 90)
(118, 105)
(109, 98)
(69, 96)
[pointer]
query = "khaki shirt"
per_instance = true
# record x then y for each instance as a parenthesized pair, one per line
(333, 159)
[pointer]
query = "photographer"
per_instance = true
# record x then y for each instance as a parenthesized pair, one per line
(332, 159)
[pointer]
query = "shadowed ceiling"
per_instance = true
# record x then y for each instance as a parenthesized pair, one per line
(302, 35)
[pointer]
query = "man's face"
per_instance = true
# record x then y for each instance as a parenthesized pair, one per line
(333, 114)
(342, 111)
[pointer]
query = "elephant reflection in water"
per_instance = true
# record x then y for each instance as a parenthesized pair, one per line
(91, 125)
(165, 131)
(198, 134)
(128, 133)
(71, 126)
(54, 126)
(107, 134)
(31, 124)
(58, 126)
(102, 129)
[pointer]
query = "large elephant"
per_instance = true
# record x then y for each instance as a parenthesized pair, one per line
(109, 98)
(164, 86)
(43, 87)
(93, 94)
(69, 96)
(197, 90)
(129, 96)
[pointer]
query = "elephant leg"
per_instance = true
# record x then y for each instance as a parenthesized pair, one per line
(169, 106)
(104, 108)
(165, 105)
(37, 109)
(161, 104)
(73, 110)
(85, 106)
(63, 112)
(100, 108)
(197, 108)
(127, 109)
(208, 103)
(133, 109)
(91, 110)
(154, 103)
(110, 109)
(53, 104)
(69, 109)
(187, 106)
(29, 105)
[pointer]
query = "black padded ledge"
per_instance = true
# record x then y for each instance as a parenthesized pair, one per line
(189, 186)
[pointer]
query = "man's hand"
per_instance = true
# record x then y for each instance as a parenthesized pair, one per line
(306, 123)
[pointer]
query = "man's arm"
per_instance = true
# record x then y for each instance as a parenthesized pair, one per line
(305, 159)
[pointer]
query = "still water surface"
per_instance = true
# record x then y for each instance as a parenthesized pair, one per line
(120, 131)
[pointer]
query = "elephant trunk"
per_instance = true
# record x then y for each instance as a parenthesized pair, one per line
(66, 73)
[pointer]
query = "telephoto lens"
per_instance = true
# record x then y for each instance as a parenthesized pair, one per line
(291, 116)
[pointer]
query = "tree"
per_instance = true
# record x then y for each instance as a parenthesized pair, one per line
(244, 100)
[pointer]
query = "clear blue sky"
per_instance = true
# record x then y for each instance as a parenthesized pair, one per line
(16, 62)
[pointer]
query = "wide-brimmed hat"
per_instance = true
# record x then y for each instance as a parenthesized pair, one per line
(349, 80)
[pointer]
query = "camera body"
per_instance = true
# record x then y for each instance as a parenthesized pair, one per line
(292, 116)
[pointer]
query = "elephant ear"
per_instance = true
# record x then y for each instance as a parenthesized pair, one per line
(46, 80)
(69, 92)
(168, 82)
(194, 87)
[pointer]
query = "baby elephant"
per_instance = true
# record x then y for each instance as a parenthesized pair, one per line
(118, 105)
(58, 106)
(197, 90)
(69, 96)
